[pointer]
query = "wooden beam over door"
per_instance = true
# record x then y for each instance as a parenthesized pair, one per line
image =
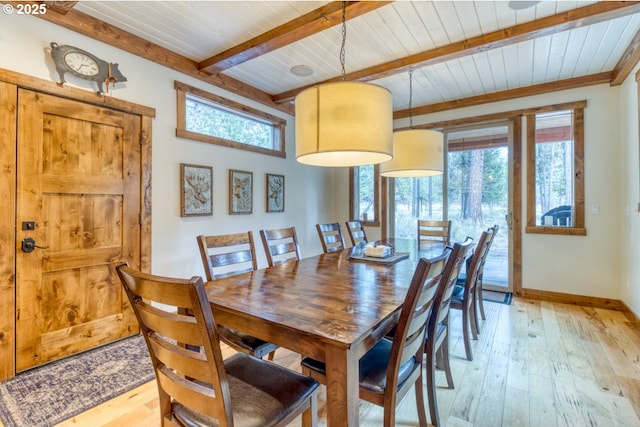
(305, 26)
(506, 95)
(560, 22)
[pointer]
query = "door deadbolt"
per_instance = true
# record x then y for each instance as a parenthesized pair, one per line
(28, 245)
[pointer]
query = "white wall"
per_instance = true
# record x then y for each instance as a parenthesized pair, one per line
(630, 189)
(23, 44)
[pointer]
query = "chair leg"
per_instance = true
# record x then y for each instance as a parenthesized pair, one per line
(389, 417)
(472, 317)
(310, 415)
(431, 388)
(442, 360)
(480, 300)
(465, 333)
(422, 414)
(476, 321)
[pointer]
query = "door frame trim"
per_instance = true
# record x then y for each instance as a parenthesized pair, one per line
(10, 82)
(510, 123)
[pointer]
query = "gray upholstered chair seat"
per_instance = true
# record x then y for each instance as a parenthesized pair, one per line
(373, 367)
(247, 343)
(458, 290)
(262, 394)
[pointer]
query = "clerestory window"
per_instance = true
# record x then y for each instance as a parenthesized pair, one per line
(205, 117)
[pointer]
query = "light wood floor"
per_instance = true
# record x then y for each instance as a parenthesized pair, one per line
(535, 364)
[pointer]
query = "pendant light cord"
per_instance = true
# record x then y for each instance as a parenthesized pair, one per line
(344, 39)
(410, 98)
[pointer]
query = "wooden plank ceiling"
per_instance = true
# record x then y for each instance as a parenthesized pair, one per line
(461, 52)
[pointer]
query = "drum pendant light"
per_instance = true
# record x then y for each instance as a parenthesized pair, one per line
(416, 152)
(344, 123)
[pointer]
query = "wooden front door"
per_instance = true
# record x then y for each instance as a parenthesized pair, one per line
(77, 217)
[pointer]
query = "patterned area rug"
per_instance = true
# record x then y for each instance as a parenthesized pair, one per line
(57, 391)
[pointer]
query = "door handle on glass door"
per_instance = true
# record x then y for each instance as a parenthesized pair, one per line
(509, 219)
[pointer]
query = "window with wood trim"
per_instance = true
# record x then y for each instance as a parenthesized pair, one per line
(555, 170)
(205, 117)
(363, 184)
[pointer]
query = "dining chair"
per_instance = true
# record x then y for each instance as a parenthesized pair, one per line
(459, 288)
(356, 232)
(437, 340)
(392, 366)
(226, 255)
(196, 386)
(434, 231)
(331, 237)
(466, 300)
(280, 245)
(478, 294)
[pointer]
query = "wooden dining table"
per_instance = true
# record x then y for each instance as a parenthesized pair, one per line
(330, 307)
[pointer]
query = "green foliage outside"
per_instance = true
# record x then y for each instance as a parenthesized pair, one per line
(422, 198)
(554, 176)
(209, 120)
(366, 196)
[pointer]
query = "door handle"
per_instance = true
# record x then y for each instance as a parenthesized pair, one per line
(29, 245)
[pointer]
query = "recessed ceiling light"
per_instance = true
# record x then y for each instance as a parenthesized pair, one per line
(522, 4)
(301, 70)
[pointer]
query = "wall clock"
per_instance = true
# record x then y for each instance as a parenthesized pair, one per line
(82, 64)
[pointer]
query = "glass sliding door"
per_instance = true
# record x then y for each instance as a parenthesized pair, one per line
(478, 192)
(474, 193)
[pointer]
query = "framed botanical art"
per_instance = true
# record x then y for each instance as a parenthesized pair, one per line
(275, 193)
(196, 190)
(240, 192)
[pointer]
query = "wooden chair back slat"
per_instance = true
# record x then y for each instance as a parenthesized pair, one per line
(183, 390)
(173, 326)
(191, 363)
(221, 260)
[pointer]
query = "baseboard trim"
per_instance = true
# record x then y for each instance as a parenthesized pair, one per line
(581, 300)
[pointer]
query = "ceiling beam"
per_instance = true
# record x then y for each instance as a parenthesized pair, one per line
(576, 18)
(506, 95)
(62, 7)
(116, 37)
(305, 26)
(627, 61)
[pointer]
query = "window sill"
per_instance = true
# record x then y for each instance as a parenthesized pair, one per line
(181, 133)
(563, 231)
(370, 223)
